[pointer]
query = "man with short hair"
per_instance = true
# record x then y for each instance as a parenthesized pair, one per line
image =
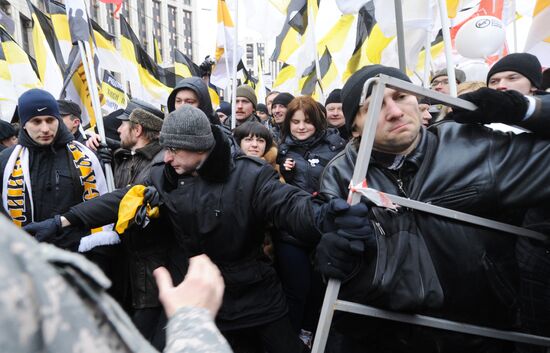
(47, 172)
(464, 167)
(245, 106)
(71, 115)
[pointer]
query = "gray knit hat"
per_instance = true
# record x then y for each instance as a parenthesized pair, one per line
(187, 128)
(147, 120)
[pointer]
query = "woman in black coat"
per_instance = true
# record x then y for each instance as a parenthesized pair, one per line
(307, 146)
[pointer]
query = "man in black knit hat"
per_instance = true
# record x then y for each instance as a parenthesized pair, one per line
(465, 167)
(518, 71)
(335, 115)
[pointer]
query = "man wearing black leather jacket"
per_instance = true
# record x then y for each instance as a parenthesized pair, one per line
(465, 167)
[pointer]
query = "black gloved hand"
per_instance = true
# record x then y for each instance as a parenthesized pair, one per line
(44, 230)
(105, 154)
(151, 197)
(339, 254)
(507, 107)
(338, 214)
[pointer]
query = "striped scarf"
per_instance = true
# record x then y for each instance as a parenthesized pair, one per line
(17, 198)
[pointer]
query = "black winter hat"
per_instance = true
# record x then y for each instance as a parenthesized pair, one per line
(225, 107)
(351, 92)
(67, 107)
(261, 108)
(6, 130)
(36, 102)
(524, 63)
(334, 97)
(282, 99)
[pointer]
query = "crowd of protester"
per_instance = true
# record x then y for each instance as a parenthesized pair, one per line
(263, 195)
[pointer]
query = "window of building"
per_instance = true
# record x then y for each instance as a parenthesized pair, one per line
(126, 11)
(95, 10)
(157, 30)
(250, 55)
(26, 26)
(188, 33)
(187, 2)
(172, 29)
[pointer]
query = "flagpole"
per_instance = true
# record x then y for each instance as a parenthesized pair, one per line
(86, 56)
(445, 24)
(234, 69)
(400, 35)
(515, 27)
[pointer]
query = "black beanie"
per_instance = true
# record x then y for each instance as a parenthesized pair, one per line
(283, 99)
(334, 97)
(351, 92)
(524, 63)
(36, 102)
(6, 130)
(261, 108)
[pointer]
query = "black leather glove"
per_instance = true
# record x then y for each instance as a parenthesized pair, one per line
(105, 154)
(339, 254)
(44, 230)
(338, 214)
(151, 197)
(507, 107)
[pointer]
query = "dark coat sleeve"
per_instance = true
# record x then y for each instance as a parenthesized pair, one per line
(521, 169)
(539, 122)
(97, 212)
(285, 206)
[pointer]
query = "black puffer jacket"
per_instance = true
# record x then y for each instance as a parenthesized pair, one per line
(310, 157)
(55, 182)
(222, 212)
(473, 170)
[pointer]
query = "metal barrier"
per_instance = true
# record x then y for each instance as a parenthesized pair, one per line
(331, 301)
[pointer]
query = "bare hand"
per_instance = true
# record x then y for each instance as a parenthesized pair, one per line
(202, 287)
(289, 164)
(93, 141)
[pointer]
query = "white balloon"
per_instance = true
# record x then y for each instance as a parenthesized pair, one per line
(480, 37)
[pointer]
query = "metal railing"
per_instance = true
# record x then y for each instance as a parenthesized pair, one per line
(331, 301)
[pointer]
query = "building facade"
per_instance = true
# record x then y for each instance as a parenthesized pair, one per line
(171, 23)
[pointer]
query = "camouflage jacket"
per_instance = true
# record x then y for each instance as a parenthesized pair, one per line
(55, 301)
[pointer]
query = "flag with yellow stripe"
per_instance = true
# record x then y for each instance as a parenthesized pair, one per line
(538, 39)
(49, 61)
